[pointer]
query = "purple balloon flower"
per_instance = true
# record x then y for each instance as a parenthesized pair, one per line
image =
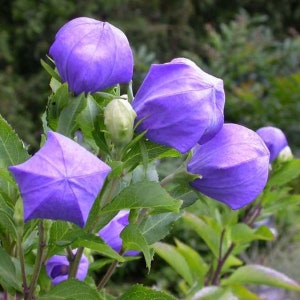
(179, 105)
(61, 181)
(91, 55)
(110, 233)
(274, 139)
(57, 268)
(233, 166)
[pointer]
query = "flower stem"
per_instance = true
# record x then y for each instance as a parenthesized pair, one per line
(221, 259)
(38, 261)
(22, 260)
(107, 275)
(249, 219)
(167, 179)
(75, 263)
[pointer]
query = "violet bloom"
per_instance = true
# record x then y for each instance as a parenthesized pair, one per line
(57, 268)
(61, 181)
(110, 233)
(274, 139)
(233, 166)
(179, 105)
(91, 55)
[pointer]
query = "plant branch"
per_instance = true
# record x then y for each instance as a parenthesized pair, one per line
(249, 219)
(75, 262)
(38, 261)
(222, 259)
(107, 275)
(22, 261)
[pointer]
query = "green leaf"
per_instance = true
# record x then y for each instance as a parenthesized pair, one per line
(8, 192)
(49, 70)
(242, 233)
(175, 259)
(214, 293)
(58, 230)
(154, 151)
(139, 292)
(8, 277)
(99, 134)
(134, 240)
(72, 289)
(144, 194)
(57, 102)
(95, 243)
(260, 275)
(197, 266)
(207, 229)
(12, 151)
(7, 224)
(156, 227)
(242, 293)
(86, 120)
(285, 173)
(67, 120)
(117, 168)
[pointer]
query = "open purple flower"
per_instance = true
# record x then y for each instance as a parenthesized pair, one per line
(274, 139)
(110, 233)
(91, 55)
(179, 105)
(233, 166)
(61, 181)
(57, 268)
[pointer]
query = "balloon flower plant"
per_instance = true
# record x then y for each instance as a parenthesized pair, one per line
(93, 198)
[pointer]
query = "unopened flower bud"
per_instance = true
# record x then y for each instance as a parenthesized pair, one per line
(285, 154)
(119, 121)
(275, 140)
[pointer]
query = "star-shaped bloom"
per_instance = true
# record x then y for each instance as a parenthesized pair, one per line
(61, 181)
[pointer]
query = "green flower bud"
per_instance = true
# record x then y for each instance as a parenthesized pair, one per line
(285, 154)
(119, 121)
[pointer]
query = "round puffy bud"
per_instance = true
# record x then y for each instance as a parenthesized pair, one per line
(179, 105)
(274, 139)
(91, 55)
(233, 166)
(119, 121)
(57, 268)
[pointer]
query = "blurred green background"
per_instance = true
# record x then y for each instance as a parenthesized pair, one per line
(254, 46)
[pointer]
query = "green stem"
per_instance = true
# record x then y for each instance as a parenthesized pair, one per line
(75, 263)
(113, 186)
(221, 260)
(107, 275)
(167, 179)
(22, 260)
(38, 261)
(249, 219)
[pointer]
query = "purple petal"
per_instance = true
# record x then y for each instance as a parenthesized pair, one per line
(92, 55)
(274, 139)
(179, 104)
(111, 232)
(61, 181)
(234, 166)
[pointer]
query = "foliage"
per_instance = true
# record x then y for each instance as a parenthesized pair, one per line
(212, 252)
